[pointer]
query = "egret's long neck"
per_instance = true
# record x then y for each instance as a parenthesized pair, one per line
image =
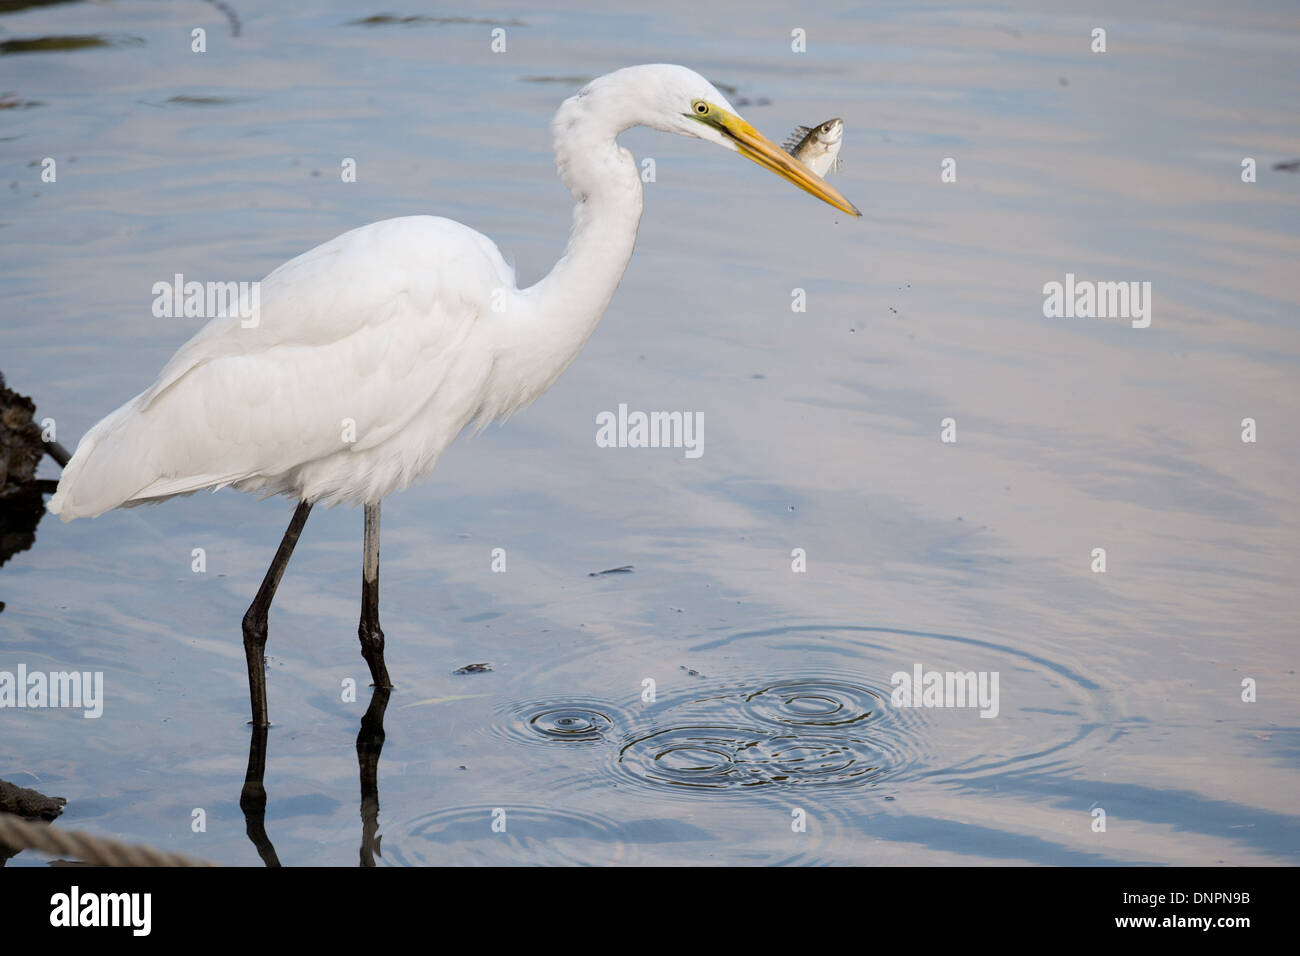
(603, 179)
(563, 308)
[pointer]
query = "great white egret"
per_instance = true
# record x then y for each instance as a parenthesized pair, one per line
(373, 351)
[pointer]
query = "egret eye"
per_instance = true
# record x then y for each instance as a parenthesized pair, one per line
(701, 108)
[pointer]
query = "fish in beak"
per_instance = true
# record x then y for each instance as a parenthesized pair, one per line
(753, 145)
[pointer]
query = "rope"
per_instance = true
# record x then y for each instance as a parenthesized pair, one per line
(19, 834)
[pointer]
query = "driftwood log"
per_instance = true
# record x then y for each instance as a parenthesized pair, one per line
(21, 450)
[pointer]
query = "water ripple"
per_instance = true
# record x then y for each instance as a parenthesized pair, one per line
(564, 720)
(508, 835)
(814, 703)
(723, 758)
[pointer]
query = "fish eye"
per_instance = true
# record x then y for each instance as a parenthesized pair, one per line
(701, 108)
(826, 127)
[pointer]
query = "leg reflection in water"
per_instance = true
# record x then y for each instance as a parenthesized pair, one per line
(370, 741)
(252, 799)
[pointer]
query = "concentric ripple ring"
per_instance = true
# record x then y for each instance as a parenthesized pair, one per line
(726, 758)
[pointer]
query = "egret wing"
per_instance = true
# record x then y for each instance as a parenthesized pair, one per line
(353, 340)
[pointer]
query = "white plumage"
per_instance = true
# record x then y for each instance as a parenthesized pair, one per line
(385, 332)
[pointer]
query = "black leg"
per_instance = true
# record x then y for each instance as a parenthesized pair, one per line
(255, 618)
(372, 638)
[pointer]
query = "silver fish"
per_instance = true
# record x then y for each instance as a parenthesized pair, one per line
(817, 147)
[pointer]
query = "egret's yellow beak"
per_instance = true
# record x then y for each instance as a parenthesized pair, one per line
(752, 144)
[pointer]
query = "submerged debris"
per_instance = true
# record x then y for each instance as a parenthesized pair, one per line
(231, 15)
(12, 101)
(59, 44)
(625, 569)
(389, 19)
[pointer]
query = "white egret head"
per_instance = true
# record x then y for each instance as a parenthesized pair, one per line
(678, 100)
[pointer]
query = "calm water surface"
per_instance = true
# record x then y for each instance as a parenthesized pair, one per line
(1120, 691)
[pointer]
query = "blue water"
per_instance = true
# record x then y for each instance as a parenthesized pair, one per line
(1120, 691)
